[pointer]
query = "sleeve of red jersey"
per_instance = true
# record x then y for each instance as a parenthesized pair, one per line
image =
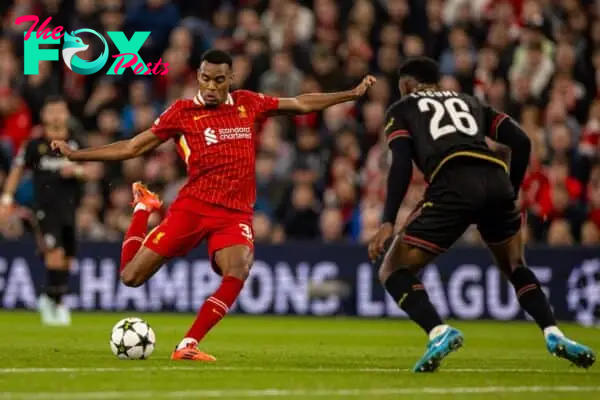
(167, 124)
(264, 103)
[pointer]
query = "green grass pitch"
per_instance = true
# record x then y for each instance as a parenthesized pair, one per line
(286, 358)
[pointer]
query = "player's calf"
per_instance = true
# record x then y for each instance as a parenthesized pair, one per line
(50, 306)
(234, 265)
(234, 261)
(509, 258)
(397, 274)
(57, 281)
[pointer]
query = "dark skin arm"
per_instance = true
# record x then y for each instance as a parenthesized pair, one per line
(306, 103)
(117, 151)
(147, 141)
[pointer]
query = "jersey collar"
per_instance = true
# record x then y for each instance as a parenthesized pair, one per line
(198, 100)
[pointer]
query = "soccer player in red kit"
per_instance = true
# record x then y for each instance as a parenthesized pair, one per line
(215, 136)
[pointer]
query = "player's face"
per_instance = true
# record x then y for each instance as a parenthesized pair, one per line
(214, 81)
(55, 115)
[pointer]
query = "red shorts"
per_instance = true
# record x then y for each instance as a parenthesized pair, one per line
(189, 222)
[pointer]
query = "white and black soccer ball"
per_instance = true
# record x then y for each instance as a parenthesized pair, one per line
(583, 295)
(132, 339)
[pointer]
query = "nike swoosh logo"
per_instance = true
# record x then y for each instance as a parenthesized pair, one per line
(441, 339)
(218, 313)
(200, 117)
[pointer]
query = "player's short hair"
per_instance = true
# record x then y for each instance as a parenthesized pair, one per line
(423, 69)
(215, 56)
(53, 99)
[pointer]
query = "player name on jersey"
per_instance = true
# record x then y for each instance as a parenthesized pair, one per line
(442, 125)
(433, 93)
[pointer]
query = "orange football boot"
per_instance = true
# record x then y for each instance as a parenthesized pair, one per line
(141, 194)
(191, 353)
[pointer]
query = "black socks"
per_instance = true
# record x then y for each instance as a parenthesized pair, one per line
(57, 284)
(531, 297)
(410, 294)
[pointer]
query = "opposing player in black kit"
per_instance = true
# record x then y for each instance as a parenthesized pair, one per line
(57, 186)
(445, 132)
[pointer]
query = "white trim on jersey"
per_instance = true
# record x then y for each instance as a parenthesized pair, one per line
(200, 101)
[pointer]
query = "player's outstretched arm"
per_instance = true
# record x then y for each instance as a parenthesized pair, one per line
(117, 151)
(310, 102)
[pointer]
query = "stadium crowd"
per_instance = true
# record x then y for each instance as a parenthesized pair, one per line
(322, 176)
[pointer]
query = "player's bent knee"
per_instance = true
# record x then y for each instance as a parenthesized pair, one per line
(130, 278)
(388, 266)
(143, 266)
(384, 273)
(390, 263)
(238, 267)
(240, 270)
(403, 255)
(234, 261)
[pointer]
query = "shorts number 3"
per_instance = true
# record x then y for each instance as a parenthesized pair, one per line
(246, 231)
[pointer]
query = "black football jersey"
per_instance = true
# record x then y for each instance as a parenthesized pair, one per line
(50, 188)
(442, 125)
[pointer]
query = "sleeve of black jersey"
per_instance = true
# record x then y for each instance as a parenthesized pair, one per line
(509, 133)
(25, 157)
(395, 126)
(503, 129)
(493, 118)
(398, 178)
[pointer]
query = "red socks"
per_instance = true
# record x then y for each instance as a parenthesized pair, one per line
(134, 237)
(215, 307)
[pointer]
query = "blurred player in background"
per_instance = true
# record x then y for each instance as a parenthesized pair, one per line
(444, 132)
(215, 134)
(57, 190)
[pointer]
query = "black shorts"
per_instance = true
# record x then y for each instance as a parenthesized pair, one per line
(57, 228)
(466, 191)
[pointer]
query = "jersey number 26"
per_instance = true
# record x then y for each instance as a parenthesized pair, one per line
(458, 111)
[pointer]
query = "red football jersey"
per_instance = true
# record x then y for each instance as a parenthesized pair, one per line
(218, 146)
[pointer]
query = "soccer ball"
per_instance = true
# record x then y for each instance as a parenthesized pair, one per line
(132, 339)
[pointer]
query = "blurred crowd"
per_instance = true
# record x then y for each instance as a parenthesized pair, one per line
(322, 175)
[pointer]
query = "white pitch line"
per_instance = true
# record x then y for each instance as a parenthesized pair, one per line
(208, 368)
(295, 392)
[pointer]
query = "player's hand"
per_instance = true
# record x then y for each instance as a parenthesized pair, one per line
(377, 242)
(367, 82)
(62, 147)
(5, 211)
